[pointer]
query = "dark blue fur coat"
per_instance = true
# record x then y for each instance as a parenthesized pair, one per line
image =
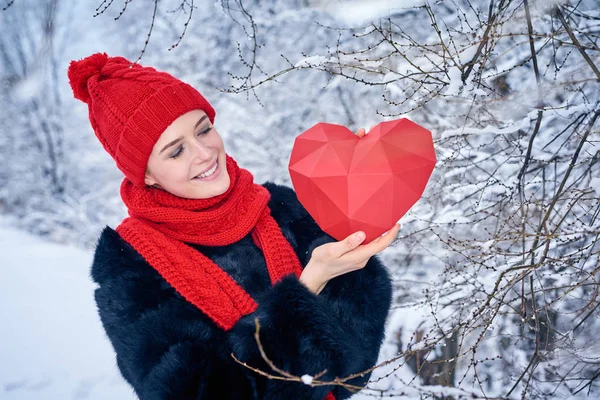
(168, 349)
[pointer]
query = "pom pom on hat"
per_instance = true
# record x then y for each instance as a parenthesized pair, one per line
(130, 106)
(81, 71)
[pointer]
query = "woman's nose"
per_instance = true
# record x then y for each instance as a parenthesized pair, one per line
(201, 152)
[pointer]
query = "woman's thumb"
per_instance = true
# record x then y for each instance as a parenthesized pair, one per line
(355, 240)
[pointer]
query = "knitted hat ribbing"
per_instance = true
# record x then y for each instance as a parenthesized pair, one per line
(130, 106)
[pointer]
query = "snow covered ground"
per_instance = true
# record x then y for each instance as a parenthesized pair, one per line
(52, 345)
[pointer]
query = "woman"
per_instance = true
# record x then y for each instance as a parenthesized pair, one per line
(205, 251)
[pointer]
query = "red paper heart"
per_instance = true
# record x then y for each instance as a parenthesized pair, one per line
(347, 183)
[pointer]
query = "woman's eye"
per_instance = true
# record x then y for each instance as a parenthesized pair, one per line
(177, 152)
(205, 130)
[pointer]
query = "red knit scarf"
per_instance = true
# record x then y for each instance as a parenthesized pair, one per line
(160, 225)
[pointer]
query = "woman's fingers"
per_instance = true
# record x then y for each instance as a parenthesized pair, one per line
(370, 249)
(390, 235)
(350, 243)
(350, 249)
(362, 132)
(347, 255)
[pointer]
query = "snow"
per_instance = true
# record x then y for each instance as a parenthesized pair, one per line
(307, 379)
(311, 61)
(54, 347)
(359, 11)
(510, 127)
(595, 184)
(29, 87)
(455, 85)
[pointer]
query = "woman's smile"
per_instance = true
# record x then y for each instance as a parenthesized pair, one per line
(211, 174)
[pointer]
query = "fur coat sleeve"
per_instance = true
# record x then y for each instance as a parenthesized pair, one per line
(168, 349)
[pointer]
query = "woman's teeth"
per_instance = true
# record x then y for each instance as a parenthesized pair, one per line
(209, 172)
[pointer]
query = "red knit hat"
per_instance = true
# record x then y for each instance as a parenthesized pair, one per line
(130, 106)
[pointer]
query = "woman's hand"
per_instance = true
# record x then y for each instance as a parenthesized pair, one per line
(337, 258)
(362, 132)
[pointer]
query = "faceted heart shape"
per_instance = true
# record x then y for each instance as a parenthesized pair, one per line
(347, 183)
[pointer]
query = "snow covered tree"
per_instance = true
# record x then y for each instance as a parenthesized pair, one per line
(33, 107)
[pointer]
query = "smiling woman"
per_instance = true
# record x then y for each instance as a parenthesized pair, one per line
(205, 252)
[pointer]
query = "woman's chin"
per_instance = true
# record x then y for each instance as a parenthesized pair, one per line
(206, 190)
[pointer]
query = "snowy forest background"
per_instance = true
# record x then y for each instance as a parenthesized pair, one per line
(496, 268)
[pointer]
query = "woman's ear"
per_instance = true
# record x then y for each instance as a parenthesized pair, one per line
(148, 180)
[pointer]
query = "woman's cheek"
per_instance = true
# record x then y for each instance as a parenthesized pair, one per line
(178, 173)
(169, 174)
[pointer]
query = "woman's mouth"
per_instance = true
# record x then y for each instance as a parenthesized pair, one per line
(210, 174)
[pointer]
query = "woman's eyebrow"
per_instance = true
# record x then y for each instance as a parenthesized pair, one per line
(200, 121)
(171, 143)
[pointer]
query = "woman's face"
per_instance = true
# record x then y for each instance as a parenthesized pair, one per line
(189, 147)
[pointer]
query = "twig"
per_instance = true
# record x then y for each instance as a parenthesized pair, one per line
(576, 42)
(10, 3)
(149, 32)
